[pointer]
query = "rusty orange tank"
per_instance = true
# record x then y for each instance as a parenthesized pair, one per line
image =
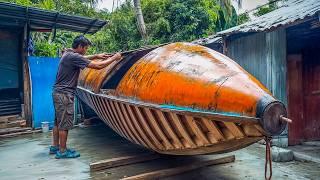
(182, 99)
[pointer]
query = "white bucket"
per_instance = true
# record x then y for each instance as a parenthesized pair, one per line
(45, 126)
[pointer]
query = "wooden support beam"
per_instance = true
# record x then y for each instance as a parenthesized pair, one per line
(13, 130)
(178, 170)
(20, 133)
(121, 161)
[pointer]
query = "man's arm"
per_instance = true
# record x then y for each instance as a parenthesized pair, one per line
(104, 63)
(98, 56)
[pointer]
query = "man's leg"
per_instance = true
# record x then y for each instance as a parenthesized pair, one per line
(55, 136)
(63, 137)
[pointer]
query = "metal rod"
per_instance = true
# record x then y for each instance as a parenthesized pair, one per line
(282, 118)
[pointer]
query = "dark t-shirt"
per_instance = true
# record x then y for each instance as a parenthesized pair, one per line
(68, 71)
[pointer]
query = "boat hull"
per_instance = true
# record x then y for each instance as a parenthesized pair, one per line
(170, 131)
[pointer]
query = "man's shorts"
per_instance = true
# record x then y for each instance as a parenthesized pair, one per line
(64, 110)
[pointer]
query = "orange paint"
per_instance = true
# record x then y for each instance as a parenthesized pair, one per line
(187, 75)
(190, 75)
(92, 79)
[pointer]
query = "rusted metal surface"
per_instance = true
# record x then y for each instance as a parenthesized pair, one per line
(288, 13)
(189, 75)
(183, 99)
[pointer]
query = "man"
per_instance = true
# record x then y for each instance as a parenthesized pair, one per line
(64, 90)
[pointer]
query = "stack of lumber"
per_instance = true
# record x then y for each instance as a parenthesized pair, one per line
(14, 125)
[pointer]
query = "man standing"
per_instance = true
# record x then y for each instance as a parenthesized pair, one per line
(64, 90)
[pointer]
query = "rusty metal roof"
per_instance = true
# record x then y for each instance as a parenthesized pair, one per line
(291, 11)
(40, 20)
(209, 40)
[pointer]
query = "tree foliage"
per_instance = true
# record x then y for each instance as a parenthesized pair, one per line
(166, 21)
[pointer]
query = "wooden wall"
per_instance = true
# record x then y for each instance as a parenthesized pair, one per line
(264, 56)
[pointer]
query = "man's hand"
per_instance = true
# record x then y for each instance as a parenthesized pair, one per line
(103, 56)
(104, 63)
(117, 56)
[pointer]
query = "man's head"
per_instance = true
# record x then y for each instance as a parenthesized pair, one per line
(81, 44)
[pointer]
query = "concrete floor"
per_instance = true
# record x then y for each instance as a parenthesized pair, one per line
(26, 157)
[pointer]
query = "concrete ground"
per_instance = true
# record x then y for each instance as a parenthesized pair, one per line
(26, 157)
(309, 151)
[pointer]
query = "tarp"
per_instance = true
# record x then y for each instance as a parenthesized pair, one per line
(43, 72)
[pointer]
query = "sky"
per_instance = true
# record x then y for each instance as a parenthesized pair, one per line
(107, 4)
(246, 4)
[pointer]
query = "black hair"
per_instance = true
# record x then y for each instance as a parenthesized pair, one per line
(80, 41)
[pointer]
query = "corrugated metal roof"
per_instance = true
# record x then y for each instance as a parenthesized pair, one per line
(16, 15)
(209, 40)
(290, 12)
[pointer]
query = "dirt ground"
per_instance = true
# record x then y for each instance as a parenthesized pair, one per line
(26, 157)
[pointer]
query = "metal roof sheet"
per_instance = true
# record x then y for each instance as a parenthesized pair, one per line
(39, 19)
(209, 40)
(290, 12)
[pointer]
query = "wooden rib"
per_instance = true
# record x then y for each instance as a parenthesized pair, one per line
(213, 129)
(88, 98)
(124, 123)
(261, 130)
(131, 126)
(172, 134)
(147, 128)
(140, 130)
(156, 126)
(112, 117)
(105, 110)
(119, 121)
(234, 129)
(182, 129)
(104, 115)
(98, 108)
(197, 131)
(250, 130)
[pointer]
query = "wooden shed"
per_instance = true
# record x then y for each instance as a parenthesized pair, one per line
(282, 50)
(16, 23)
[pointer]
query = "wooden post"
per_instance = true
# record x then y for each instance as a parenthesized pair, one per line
(26, 77)
(121, 161)
(178, 170)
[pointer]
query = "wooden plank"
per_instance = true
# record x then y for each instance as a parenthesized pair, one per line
(98, 107)
(159, 131)
(121, 161)
(131, 126)
(139, 129)
(13, 130)
(124, 123)
(19, 133)
(119, 121)
(109, 115)
(147, 128)
(250, 130)
(213, 129)
(181, 129)
(113, 117)
(234, 129)
(197, 131)
(106, 115)
(172, 134)
(178, 170)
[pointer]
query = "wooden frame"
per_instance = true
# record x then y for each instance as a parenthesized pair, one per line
(171, 131)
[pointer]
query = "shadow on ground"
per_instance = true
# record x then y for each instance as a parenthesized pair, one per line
(26, 157)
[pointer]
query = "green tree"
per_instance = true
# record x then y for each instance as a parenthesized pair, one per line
(165, 21)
